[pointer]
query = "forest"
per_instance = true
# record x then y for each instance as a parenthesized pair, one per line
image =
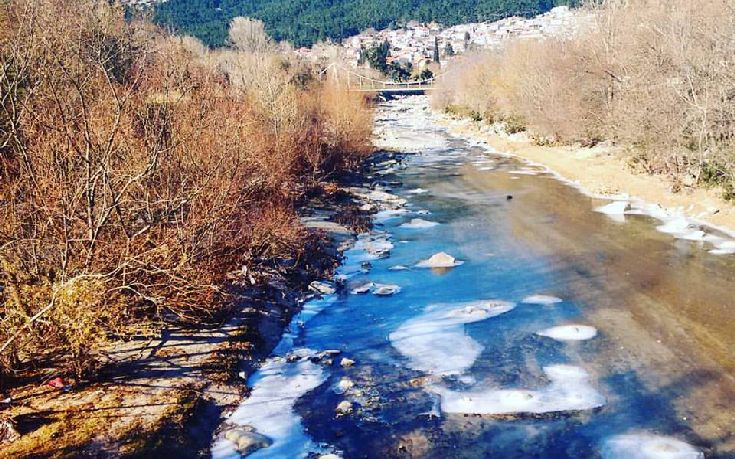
(305, 22)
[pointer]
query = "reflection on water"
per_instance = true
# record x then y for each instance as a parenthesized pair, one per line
(626, 350)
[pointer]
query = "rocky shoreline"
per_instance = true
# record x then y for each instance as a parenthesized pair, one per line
(239, 433)
(167, 394)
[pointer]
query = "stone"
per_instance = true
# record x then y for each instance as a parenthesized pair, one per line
(362, 289)
(344, 407)
(322, 287)
(439, 260)
(246, 440)
(344, 385)
(346, 363)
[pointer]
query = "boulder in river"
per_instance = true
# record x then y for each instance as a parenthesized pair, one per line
(346, 363)
(344, 385)
(439, 260)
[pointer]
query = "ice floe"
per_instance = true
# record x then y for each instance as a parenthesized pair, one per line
(386, 215)
(398, 268)
(363, 288)
(439, 260)
(419, 223)
(372, 246)
(436, 342)
(269, 409)
(385, 289)
(541, 299)
(569, 332)
(648, 446)
(569, 390)
(614, 208)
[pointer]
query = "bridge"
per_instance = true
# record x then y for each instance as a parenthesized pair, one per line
(356, 82)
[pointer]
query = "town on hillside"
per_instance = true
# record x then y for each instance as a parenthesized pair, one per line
(420, 45)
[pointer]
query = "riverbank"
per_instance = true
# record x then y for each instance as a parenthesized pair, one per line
(165, 394)
(387, 361)
(603, 171)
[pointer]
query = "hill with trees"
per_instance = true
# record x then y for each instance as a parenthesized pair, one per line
(306, 22)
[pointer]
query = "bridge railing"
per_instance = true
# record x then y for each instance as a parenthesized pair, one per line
(356, 81)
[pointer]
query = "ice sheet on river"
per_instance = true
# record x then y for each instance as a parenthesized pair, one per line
(648, 446)
(569, 390)
(436, 342)
(269, 409)
(569, 332)
(541, 299)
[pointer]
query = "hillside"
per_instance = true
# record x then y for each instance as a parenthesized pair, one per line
(305, 22)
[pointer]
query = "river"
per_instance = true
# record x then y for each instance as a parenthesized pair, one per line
(559, 332)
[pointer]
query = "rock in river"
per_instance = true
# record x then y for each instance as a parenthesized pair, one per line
(322, 287)
(439, 260)
(246, 440)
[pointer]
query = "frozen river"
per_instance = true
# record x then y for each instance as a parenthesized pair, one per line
(492, 312)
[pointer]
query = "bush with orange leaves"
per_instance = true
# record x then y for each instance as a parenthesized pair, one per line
(654, 76)
(136, 172)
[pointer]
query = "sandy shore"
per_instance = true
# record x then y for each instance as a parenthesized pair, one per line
(603, 171)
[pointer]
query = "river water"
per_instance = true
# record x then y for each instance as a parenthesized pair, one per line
(560, 332)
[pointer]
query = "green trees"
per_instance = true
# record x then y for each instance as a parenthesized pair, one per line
(377, 56)
(305, 22)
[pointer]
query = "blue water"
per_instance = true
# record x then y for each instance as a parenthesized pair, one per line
(511, 248)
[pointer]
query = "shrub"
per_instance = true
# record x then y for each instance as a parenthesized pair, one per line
(652, 74)
(138, 169)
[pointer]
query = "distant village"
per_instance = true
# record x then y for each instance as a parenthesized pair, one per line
(416, 44)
